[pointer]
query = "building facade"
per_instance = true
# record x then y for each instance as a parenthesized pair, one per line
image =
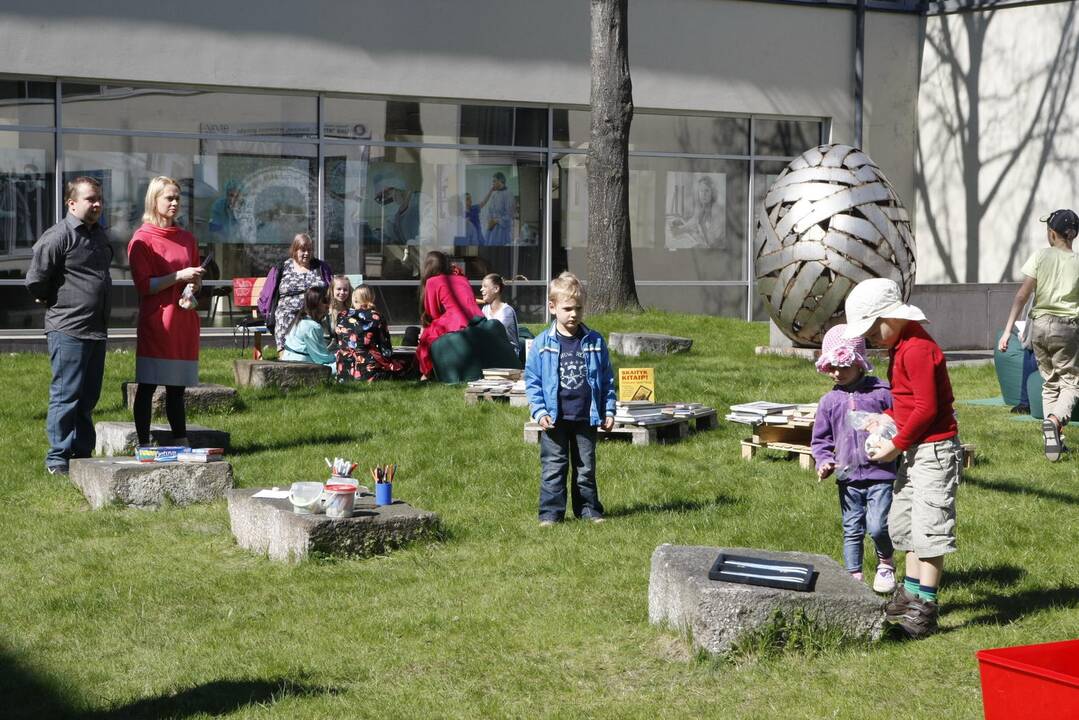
(389, 131)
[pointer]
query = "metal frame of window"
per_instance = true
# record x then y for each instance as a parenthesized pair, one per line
(323, 145)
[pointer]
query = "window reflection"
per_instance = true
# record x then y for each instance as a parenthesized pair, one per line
(244, 201)
(687, 217)
(430, 122)
(26, 195)
(387, 207)
(27, 102)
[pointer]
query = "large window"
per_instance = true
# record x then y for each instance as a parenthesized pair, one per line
(379, 182)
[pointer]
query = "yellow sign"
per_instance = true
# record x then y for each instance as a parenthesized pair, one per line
(636, 384)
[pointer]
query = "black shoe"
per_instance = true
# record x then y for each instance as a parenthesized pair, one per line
(56, 469)
(920, 619)
(1021, 409)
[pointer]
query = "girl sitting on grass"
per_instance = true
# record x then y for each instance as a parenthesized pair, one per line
(304, 341)
(364, 351)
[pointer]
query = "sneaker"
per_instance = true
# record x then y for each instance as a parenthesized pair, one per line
(596, 519)
(1021, 409)
(897, 606)
(1051, 439)
(547, 523)
(884, 581)
(858, 576)
(56, 469)
(920, 619)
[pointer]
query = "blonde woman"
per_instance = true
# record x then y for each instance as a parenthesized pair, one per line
(164, 258)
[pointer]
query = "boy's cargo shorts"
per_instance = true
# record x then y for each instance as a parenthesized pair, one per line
(922, 518)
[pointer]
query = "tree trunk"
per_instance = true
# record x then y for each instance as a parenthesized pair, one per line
(610, 259)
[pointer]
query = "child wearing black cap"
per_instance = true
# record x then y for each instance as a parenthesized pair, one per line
(1052, 276)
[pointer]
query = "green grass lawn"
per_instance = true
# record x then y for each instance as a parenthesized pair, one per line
(123, 613)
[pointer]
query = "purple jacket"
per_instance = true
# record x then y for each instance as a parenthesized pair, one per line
(835, 441)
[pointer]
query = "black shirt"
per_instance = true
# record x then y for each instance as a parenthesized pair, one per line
(69, 273)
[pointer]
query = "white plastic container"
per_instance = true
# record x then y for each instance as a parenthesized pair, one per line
(340, 500)
(306, 498)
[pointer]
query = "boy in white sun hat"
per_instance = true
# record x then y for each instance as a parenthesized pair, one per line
(922, 518)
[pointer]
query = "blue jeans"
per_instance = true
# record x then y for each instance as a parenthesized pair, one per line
(1030, 366)
(568, 447)
(78, 367)
(865, 506)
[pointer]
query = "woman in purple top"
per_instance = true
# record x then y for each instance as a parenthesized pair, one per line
(865, 487)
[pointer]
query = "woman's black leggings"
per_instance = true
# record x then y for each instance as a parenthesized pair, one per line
(174, 410)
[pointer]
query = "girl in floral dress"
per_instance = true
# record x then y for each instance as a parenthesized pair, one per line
(364, 351)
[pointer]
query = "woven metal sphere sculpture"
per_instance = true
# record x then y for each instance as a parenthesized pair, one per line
(830, 220)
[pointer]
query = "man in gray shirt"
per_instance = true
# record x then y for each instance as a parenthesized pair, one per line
(69, 274)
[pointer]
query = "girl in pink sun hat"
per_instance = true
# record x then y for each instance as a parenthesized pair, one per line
(865, 487)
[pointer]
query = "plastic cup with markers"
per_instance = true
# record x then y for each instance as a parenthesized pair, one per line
(383, 476)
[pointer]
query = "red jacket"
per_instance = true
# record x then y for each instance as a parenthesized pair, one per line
(921, 390)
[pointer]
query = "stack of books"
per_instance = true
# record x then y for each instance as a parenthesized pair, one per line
(683, 410)
(499, 382)
(201, 455)
(639, 412)
(804, 415)
(756, 413)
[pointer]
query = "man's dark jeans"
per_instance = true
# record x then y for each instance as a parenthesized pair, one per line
(78, 367)
(568, 448)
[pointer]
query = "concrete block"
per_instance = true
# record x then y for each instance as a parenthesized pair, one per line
(265, 373)
(269, 527)
(120, 438)
(718, 614)
(204, 397)
(125, 481)
(634, 344)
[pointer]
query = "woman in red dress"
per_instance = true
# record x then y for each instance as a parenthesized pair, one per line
(447, 303)
(164, 259)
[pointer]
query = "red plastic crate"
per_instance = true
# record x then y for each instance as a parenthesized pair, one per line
(1031, 682)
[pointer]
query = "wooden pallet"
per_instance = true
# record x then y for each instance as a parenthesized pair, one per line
(667, 431)
(751, 445)
(514, 399)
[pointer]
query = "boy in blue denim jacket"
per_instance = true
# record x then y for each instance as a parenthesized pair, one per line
(570, 388)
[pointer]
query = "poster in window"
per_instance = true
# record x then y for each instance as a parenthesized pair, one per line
(696, 210)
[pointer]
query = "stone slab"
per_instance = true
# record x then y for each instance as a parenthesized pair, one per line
(634, 344)
(147, 486)
(269, 527)
(120, 438)
(279, 374)
(204, 397)
(718, 614)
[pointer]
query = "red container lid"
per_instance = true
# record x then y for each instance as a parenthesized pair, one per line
(341, 488)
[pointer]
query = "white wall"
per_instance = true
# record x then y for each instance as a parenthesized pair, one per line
(999, 138)
(705, 55)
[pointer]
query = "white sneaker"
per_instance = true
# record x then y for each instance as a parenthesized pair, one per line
(884, 582)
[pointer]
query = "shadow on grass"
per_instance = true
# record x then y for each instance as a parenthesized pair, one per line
(219, 697)
(1018, 488)
(992, 605)
(25, 694)
(675, 506)
(305, 441)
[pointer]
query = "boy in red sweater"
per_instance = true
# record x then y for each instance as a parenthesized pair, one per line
(922, 518)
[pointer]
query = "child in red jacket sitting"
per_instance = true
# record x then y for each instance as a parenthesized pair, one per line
(922, 518)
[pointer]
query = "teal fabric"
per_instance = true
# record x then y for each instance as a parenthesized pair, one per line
(462, 356)
(1034, 392)
(1009, 367)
